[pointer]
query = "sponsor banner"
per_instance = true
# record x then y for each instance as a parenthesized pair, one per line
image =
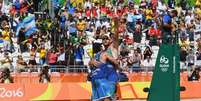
(11, 92)
(82, 91)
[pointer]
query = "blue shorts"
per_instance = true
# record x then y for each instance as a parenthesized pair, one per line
(102, 88)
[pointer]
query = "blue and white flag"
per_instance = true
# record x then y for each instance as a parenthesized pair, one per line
(29, 24)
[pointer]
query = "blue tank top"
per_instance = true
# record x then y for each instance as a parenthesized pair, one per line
(99, 72)
(111, 71)
(105, 70)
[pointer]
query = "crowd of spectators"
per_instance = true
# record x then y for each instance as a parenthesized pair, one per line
(69, 33)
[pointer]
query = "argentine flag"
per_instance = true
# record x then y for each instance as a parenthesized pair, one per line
(29, 24)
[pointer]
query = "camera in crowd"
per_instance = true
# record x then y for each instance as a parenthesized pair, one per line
(5, 76)
(195, 76)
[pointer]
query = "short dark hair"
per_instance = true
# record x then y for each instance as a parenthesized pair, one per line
(174, 12)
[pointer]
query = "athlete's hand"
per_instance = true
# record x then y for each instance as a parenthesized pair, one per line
(95, 63)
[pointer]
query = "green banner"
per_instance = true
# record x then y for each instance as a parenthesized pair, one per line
(165, 85)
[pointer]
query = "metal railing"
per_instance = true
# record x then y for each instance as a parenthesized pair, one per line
(53, 68)
(76, 69)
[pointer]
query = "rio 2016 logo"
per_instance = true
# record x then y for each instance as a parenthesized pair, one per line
(164, 60)
(4, 93)
(164, 63)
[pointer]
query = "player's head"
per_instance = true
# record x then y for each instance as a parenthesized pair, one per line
(106, 40)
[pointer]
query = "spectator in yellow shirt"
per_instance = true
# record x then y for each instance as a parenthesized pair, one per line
(198, 3)
(6, 34)
(6, 37)
(42, 54)
(183, 42)
(198, 11)
(149, 13)
(76, 3)
(81, 24)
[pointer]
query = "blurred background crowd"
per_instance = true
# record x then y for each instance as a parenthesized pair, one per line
(67, 33)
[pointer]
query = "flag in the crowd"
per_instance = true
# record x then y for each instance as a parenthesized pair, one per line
(29, 24)
(71, 10)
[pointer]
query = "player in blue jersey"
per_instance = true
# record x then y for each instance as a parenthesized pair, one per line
(106, 67)
(104, 76)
